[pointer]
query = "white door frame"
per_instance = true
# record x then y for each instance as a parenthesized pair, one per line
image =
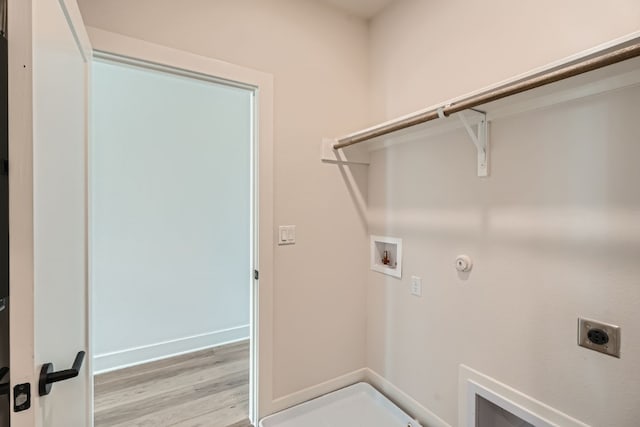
(126, 49)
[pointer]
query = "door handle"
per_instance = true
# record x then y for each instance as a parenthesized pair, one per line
(4, 387)
(47, 377)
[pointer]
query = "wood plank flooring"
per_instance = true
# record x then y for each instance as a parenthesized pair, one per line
(208, 388)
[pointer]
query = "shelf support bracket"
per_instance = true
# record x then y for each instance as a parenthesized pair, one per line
(480, 138)
(348, 156)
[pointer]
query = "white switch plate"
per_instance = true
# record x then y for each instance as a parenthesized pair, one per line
(416, 286)
(287, 235)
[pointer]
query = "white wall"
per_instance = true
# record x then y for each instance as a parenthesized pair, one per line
(553, 231)
(170, 165)
(428, 51)
(319, 60)
(554, 235)
(422, 52)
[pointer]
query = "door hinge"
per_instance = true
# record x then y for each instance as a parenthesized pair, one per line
(4, 169)
(256, 275)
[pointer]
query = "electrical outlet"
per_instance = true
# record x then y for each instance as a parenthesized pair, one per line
(416, 286)
(599, 336)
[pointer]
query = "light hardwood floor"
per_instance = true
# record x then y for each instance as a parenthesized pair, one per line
(209, 388)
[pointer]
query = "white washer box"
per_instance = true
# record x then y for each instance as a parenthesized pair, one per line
(358, 405)
(391, 248)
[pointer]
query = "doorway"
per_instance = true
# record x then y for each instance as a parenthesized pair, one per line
(171, 245)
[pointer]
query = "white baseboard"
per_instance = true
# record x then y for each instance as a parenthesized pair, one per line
(424, 416)
(318, 390)
(134, 356)
(408, 404)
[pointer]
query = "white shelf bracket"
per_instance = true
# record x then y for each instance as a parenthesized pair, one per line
(348, 156)
(480, 138)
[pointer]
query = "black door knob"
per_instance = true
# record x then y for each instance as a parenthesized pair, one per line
(48, 377)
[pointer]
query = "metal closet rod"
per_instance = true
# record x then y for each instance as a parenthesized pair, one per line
(584, 66)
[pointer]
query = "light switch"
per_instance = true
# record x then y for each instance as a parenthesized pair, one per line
(287, 235)
(416, 286)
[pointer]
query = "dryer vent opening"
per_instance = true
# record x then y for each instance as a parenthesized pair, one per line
(488, 414)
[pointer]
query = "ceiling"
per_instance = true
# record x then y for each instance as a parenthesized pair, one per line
(363, 8)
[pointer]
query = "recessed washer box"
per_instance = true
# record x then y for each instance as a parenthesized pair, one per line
(356, 405)
(386, 255)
